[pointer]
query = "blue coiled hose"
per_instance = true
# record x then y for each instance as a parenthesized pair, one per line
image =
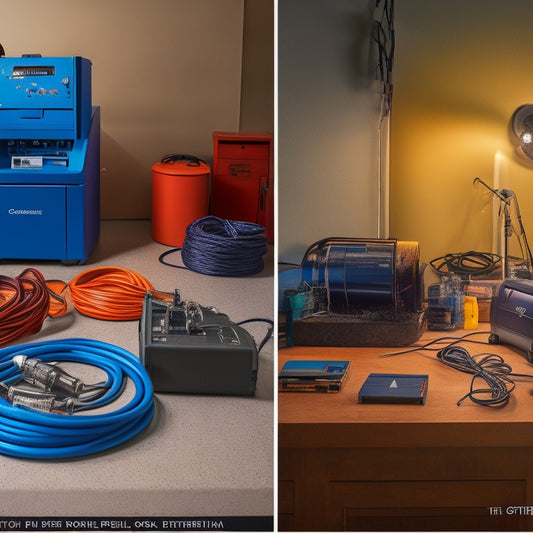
(39, 435)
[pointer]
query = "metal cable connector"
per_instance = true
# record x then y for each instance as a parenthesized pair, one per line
(48, 377)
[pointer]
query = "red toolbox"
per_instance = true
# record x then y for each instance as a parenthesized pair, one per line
(242, 178)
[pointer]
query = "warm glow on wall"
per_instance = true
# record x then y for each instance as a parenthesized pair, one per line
(452, 107)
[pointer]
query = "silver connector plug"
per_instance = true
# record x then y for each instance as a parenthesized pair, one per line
(48, 377)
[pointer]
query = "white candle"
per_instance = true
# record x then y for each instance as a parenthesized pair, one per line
(496, 229)
(501, 179)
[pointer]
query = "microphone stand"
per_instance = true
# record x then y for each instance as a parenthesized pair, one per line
(506, 196)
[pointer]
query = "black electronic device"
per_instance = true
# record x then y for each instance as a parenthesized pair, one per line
(394, 388)
(189, 348)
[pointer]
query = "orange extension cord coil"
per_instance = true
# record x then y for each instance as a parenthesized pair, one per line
(105, 293)
(109, 293)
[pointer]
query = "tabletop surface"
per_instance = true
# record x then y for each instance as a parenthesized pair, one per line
(338, 419)
(202, 455)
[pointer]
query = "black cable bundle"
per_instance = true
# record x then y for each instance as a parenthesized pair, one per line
(220, 247)
(486, 366)
(490, 367)
(467, 263)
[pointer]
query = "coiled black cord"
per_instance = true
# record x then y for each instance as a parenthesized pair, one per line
(467, 263)
(489, 367)
(220, 247)
(486, 366)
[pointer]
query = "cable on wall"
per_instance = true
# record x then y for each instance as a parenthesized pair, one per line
(384, 36)
(220, 247)
(32, 433)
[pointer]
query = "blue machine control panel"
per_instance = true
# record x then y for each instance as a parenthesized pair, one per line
(49, 159)
(36, 81)
(45, 98)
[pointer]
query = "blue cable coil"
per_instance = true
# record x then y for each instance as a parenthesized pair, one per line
(220, 247)
(42, 435)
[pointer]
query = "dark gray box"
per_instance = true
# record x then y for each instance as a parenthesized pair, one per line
(187, 348)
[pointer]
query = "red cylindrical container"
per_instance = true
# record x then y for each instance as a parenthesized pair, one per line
(180, 195)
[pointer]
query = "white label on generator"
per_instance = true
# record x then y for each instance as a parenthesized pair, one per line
(18, 161)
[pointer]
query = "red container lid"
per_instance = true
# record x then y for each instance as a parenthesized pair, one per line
(182, 168)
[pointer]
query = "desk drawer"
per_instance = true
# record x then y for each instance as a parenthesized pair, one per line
(426, 505)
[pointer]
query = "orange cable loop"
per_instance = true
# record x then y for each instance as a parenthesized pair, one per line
(106, 293)
(109, 293)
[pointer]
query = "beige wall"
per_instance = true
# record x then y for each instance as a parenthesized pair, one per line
(166, 74)
(461, 69)
(328, 109)
(257, 97)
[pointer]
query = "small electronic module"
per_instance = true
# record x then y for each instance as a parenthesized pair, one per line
(188, 348)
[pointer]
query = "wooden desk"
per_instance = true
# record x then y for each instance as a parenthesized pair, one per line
(440, 466)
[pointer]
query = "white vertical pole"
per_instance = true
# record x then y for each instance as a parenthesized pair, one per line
(384, 174)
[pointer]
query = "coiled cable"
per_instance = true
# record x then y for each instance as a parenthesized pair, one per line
(106, 293)
(24, 303)
(467, 263)
(490, 368)
(110, 293)
(220, 247)
(39, 435)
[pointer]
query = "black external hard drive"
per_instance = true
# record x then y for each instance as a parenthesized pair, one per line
(394, 388)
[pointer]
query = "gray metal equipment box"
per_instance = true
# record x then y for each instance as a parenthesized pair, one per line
(187, 348)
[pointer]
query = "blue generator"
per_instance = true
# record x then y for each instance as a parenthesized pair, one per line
(49, 159)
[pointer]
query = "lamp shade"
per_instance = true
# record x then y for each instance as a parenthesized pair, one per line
(522, 125)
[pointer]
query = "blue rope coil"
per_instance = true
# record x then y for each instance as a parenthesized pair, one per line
(220, 247)
(42, 435)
